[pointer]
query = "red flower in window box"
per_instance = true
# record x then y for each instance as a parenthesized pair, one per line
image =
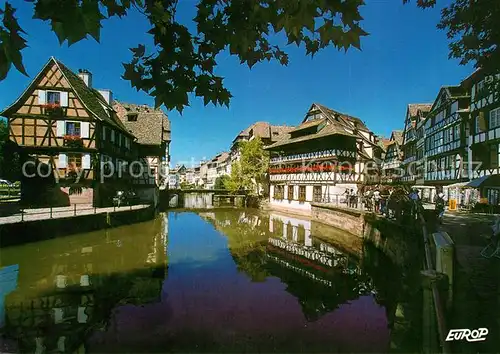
(73, 140)
(53, 109)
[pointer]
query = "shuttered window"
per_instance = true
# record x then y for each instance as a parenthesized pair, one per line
(290, 192)
(62, 161)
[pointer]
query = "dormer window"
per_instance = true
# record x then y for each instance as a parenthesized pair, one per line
(53, 97)
(132, 117)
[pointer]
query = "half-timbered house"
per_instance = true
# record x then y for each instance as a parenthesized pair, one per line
(484, 126)
(445, 138)
(415, 113)
(151, 127)
(392, 158)
(327, 154)
(74, 147)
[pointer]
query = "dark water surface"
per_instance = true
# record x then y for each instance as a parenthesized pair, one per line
(221, 281)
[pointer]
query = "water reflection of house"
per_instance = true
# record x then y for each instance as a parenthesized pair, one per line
(319, 275)
(63, 298)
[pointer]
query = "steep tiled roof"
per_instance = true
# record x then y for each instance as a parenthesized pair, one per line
(360, 125)
(414, 108)
(328, 130)
(397, 136)
(90, 98)
(222, 157)
(263, 130)
(152, 126)
(309, 124)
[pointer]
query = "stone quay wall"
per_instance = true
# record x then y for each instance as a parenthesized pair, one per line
(397, 240)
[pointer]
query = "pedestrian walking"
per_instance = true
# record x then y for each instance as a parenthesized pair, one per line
(376, 200)
(347, 194)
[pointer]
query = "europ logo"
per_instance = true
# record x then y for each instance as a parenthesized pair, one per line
(475, 335)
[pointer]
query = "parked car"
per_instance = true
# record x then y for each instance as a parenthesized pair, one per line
(125, 198)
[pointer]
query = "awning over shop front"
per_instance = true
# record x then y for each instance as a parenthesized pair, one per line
(485, 181)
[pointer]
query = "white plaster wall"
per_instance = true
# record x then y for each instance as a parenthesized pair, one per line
(290, 204)
(309, 193)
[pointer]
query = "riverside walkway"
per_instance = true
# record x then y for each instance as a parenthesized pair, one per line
(477, 280)
(62, 212)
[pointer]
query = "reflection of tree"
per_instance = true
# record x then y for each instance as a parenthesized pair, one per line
(247, 234)
(72, 290)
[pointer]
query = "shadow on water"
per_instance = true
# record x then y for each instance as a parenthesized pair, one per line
(216, 281)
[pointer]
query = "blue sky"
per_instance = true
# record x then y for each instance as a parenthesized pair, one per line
(404, 60)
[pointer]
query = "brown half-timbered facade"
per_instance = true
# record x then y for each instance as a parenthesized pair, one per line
(413, 138)
(445, 137)
(74, 148)
(392, 158)
(320, 159)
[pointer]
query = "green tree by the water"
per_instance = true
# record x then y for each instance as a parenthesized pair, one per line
(250, 172)
(10, 161)
(220, 182)
(182, 60)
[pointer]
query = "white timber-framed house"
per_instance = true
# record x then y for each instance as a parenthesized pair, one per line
(392, 158)
(327, 154)
(484, 127)
(411, 165)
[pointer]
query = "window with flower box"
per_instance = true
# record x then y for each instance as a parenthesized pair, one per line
(53, 97)
(302, 193)
(290, 192)
(73, 128)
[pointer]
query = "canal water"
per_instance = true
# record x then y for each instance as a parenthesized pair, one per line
(218, 281)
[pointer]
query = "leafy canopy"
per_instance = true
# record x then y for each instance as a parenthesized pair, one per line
(183, 61)
(250, 172)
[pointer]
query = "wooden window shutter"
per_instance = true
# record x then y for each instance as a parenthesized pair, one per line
(86, 161)
(62, 161)
(64, 99)
(482, 122)
(61, 127)
(84, 129)
(42, 97)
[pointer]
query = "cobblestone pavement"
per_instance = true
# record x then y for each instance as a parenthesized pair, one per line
(62, 212)
(477, 280)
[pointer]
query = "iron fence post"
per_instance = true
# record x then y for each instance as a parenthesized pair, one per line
(74, 209)
(51, 212)
(22, 214)
(95, 210)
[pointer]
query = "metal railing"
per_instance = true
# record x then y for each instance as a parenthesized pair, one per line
(32, 214)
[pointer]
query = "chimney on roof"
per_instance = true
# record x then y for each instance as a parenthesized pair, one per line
(107, 95)
(86, 76)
